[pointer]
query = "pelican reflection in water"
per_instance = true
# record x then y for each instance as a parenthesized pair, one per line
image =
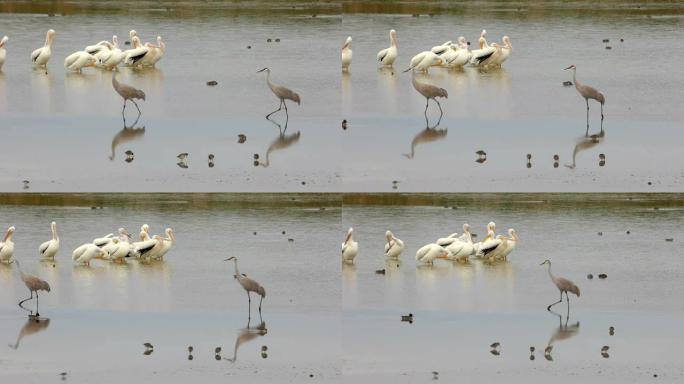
(427, 135)
(125, 135)
(584, 143)
(246, 335)
(33, 325)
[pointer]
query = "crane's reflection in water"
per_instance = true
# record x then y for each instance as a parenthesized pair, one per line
(562, 332)
(427, 135)
(584, 143)
(248, 334)
(281, 142)
(32, 326)
(125, 135)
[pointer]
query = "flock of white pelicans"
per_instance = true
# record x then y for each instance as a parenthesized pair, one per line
(111, 247)
(105, 54)
(457, 248)
(446, 55)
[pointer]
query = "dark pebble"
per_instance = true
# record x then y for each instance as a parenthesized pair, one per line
(264, 348)
(567, 83)
(127, 43)
(555, 164)
(268, 40)
(217, 350)
(344, 124)
(256, 156)
(606, 40)
(283, 232)
(531, 357)
(190, 357)
(531, 349)
(303, 182)
(291, 240)
(602, 276)
(249, 47)
(600, 233)
(609, 47)
(529, 156)
(254, 233)
(590, 276)
(212, 83)
(380, 272)
(622, 40)
(311, 375)
(556, 157)
(628, 232)
(256, 163)
(217, 357)
(264, 355)
(241, 139)
(669, 239)
(277, 40)
(649, 183)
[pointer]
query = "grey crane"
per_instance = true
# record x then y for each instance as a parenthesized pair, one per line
(564, 286)
(249, 285)
(34, 284)
(282, 93)
(588, 93)
(127, 93)
(430, 91)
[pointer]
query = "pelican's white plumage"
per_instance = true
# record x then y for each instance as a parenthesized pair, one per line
(444, 241)
(346, 54)
(485, 51)
(350, 248)
(394, 246)
(154, 53)
(135, 55)
(424, 60)
(439, 49)
(97, 48)
(112, 57)
(500, 249)
(41, 56)
(387, 56)
(430, 252)
(457, 55)
(87, 252)
(49, 249)
(79, 60)
(461, 248)
(7, 246)
(166, 244)
(3, 51)
(505, 52)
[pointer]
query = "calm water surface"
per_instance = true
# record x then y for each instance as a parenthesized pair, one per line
(63, 132)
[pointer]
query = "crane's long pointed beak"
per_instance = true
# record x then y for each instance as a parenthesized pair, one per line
(567, 68)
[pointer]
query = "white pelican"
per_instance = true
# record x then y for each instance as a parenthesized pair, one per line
(428, 253)
(424, 60)
(99, 47)
(505, 51)
(112, 57)
(457, 55)
(394, 246)
(7, 246)
(119, 249)
(87, 252)
(104, 240)
(3, 51)
(144, 236)
(135, 55)
(506, 245)
(439, 49)
(461, 249)
(346, 54)
(79, 60)
(148, 249)
(167, 243)
(444, 241)
(388, 55)
(489, 240)
(49, 249)
(154, 54)
(485, 51)
(41, 56)
(350, 248)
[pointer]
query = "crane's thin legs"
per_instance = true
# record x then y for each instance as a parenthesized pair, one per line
(136, 106)
(25, 300)
(601, 111)
(123, 110)
(280, 107)
(440, 112)
(249, 307)
(587, 134)
(260, 300)
(559, 301)
(37, 314)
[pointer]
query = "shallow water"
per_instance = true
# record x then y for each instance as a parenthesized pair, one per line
(189, 299)
(63, 132)
(459, 310)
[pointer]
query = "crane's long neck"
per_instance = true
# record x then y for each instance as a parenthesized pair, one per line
(237, 271)
(574, 78)
(551, 274)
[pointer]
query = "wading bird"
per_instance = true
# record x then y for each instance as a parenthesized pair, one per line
(346, 54)
(127, 93)
(7, 246)
(49, 249)
(34, 284)
(588, 93)
(387, 56)
(428, 253)
(79, 60)
(429, 91)
(3, 51)
(248, 285)
(394, 246)
(41, 56)
(281, 93)
(423, 61)
(350, 248)
(110, 58)
(86, 252)
(564, 285)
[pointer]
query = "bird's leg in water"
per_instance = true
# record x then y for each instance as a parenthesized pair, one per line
(587, 133)
(136, 106)
(249, 306)
(440, 112)
(279, 108)
(37, 314)
(25, 300)
(568, 300)
(123, 110)
(602, 114)
(260, 300)
(559, 301)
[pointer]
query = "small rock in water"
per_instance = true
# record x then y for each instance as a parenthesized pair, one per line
(311, 375)
(303, 182)
(567, 83)
(606, 40)
(605, 348)
(556, 157)
(380, 272)
(256, 163)
(277, 40)
(190, 357)
(602, 276)
(628, 232)
(242, 138)
(264, 348)
(344, 124)
(283, 232)
(249, 47)
(495, 345)
(254, 233)
(217, 357)
(529, 156)
(609, 47)
(532, 349)
(268, 40)
(531, 357)
(600, 233)
(217, 350)
(264, 355)
(148, 345)
(611, 330)
(622, 40)
(669, 239)
(290, 240)
(495, 352)
(190, 348)
(127, 42)
(256, 156)
(555, 164)
(590, 276)
(212, 83)
(649, 183)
